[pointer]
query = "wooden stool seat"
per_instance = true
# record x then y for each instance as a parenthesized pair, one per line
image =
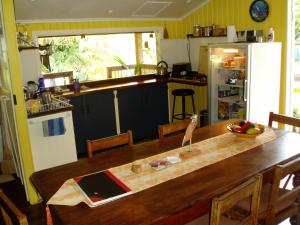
(182, 92)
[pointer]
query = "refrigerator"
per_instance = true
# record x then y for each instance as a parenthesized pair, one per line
(244, 81)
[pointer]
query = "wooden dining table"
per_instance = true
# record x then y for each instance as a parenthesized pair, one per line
(176, 201)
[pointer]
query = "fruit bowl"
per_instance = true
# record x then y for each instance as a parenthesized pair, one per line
(246, 129)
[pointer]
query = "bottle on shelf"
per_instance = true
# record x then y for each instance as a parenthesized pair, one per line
(271, 35)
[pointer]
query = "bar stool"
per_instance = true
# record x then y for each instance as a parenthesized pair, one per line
(182, 93)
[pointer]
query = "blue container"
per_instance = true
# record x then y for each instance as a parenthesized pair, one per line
(41, 85)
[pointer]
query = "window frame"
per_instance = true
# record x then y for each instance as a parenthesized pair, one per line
(98, 31)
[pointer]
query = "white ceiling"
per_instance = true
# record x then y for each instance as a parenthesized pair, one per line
(89, 10)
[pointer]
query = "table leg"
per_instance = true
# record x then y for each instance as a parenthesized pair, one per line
(296, 182)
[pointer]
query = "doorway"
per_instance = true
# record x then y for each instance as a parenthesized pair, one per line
(293, 59)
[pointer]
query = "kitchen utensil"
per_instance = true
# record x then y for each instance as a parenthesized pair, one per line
(46, 97)
(162, 68)
(31, 89)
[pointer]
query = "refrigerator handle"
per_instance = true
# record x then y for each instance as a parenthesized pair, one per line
(245, 90)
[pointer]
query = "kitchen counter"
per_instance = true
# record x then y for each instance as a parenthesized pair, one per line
(112, 84)
(121, 83)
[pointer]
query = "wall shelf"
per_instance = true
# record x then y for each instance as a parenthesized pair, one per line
(21, 48)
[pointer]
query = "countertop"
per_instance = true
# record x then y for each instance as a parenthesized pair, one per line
(120, 83)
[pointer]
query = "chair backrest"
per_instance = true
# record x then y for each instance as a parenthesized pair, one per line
(283, 120)
(283, 202)
(9, 213)
(108, 142)
(166, 129)
(251, 188)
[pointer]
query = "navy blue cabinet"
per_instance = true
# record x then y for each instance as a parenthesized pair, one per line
(93, 117)
(142, 109)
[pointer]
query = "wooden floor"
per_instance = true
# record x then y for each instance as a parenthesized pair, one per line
(15, 191)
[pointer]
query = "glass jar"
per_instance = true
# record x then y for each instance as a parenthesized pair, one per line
(197, 31)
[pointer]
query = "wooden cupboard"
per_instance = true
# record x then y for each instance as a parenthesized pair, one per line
(93, 117)
(141, 109)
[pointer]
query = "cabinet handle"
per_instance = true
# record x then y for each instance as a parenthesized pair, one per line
(87, 108)
(245, 90)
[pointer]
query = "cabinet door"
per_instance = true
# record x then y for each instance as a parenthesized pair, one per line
(100, 113)
(93, 117)
(131, 111)
(142, 109)
(79, 122)
(155, 107)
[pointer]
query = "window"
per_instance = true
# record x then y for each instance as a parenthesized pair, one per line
(91, 57)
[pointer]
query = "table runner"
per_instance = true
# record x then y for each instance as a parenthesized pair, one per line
(212, 150)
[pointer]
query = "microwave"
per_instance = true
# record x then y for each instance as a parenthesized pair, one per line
(181, 68)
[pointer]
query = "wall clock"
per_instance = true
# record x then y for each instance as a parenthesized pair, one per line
(259, 10)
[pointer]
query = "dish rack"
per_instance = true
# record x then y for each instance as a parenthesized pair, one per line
(37, 107)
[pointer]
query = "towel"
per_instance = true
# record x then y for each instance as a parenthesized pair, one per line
(54, 127)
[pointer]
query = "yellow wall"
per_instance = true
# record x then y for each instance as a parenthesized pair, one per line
(220, 12)
(236, 12)
(16, 79)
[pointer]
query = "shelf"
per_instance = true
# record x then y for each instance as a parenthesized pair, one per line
(230, 68)
(231, 85)
(232, 99)
(21, 48)
(192, 36)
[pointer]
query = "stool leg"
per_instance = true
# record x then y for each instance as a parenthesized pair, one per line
(193, 104)
(173, 107)
(183, 107)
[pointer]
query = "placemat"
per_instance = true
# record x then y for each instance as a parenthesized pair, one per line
(209, 151)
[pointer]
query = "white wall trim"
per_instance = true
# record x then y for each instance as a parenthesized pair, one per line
(289, 57)
(43, 33)
(80, 20)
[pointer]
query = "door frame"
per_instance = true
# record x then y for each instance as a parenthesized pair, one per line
(290, 24)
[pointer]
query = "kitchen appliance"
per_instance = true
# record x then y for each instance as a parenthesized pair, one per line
(162, 68)
(244, 81)
(181, 68)
(52, 151)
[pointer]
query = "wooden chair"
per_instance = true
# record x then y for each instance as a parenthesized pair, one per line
(108, 142)
(220, 205)
(9, 213)
(251, 188)
(166, 129)
(283, 203)
(283, 120)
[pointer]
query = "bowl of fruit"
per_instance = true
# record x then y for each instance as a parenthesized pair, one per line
(246, 129)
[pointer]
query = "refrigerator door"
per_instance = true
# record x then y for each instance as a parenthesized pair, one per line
(264, 82)
(228, 82)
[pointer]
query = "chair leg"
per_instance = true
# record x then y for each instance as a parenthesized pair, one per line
(173, 107)
(193, 104)
(183, 107)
